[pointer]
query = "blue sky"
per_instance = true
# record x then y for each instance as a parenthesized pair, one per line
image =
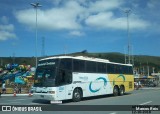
(76, 25)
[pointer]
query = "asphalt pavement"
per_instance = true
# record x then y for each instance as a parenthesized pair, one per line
(143, 96)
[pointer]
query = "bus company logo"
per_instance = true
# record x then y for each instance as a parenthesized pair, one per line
(61, 88)
(6, 108)
(83, 78)
(96, 90)
(119, 76)
(46, 63)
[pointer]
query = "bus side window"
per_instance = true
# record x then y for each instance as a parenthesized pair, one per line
(68, 77)
(64, 77)
(130, 70)
(111, 68)
(61, 76)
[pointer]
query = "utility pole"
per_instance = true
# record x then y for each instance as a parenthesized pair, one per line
(148, 68)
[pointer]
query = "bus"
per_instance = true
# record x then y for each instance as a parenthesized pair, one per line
(75, 77)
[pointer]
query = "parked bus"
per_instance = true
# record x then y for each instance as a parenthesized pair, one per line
(67, 77)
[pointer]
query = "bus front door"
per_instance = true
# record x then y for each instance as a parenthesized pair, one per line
(61, 92)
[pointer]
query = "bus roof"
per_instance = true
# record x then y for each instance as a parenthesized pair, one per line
(84, 58)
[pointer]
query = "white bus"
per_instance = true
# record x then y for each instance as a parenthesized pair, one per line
(67, 77)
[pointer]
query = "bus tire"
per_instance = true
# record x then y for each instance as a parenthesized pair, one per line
(115, 91)
(77, 95)
(121, 90)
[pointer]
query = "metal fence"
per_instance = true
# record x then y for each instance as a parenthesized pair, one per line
(147, 82)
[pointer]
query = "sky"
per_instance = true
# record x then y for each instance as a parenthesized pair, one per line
(69, 26)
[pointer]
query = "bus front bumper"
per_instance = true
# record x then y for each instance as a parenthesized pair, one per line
(45, 96)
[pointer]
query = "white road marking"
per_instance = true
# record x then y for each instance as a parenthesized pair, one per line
(33, 103)
(18, 100)
(14, 102)
(112, 113)
(3, 103)
(21, 99)
(10, 103)
(145, 103)
(151, 88)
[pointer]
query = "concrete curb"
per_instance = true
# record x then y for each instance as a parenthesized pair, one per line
(5, 95)
(150, 88)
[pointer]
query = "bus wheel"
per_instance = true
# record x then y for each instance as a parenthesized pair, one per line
(115, 91)
(121, 90)
(77, 95)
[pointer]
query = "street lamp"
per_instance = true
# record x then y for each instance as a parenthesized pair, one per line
(36, 5)
(128, 11)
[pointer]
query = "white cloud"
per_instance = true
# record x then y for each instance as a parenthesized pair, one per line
(6, 29)
(56, 2)
(153, 4)
(104, 5)
(108, 20)
(27, 15)
(76, 33)
(74, 15)
(4, 35)
(99, 20)
(53, 19)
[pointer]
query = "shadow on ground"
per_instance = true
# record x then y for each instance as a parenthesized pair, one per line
(96, 97)
(42, 101)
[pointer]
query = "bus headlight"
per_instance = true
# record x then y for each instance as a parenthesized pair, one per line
(51, 92)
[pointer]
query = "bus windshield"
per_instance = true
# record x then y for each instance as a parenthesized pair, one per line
(45, 74)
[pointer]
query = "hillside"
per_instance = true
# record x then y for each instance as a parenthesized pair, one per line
(140, 61)
(18, 60)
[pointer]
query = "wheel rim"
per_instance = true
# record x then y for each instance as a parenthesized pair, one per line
(115, 91)
(122, 91)
(77, 95)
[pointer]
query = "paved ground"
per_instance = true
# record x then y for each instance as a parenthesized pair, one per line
(143, 96)
(16, 95)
